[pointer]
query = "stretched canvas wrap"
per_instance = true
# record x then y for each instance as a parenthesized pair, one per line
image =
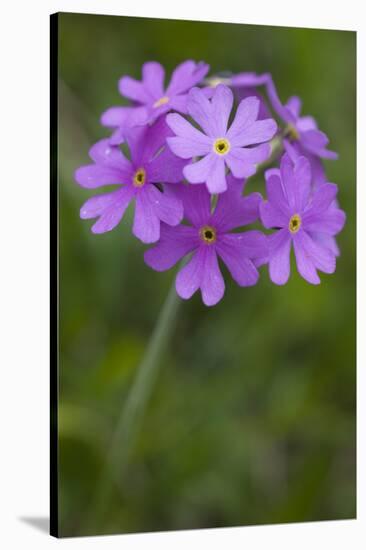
(203, 192)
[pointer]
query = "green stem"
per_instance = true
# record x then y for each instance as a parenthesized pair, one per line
(129, 421)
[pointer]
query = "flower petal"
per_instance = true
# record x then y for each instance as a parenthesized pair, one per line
(137, 116)
(179, 103)
(153, 78)
(189, 278)
(275, 192)
(174, 244)
(306, 259)
(279, 256)
(288, 180)
(233, 210)
(109, 207)
(302, 182)
(203, 272)
(314, 139)
(116, 116)
(166, 168)
(258, 132)
(294, 104)
(293, 149)
(282, 111)
(253, 244)
(237, 251)
(167, 206)
(243, 162)
(155, 138)
(96, 175)
(216, 180)
(186, 75)
(196, 203)
(187, 148)
(198, 172)
(316, 142)
(222, 103)
(243, 93)
(323, 198)
(200, 109)
(248, 79)
(189, 142)
(326, 241)
(321, 256)
(306, 123)
(104, 153)
(271, 216)
(146, 224)
(329, 222)
(118, 136)
(135, 90)
(246, 115)
(317, 171)
(212, 282)
(145, 141)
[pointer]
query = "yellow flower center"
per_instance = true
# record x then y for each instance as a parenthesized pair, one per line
(293, 133)
(294, 223)
(162, 101)
(221, 146)
(139, 178)
(208, 234)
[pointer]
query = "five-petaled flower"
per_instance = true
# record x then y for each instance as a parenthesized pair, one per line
(304, 130)
(302, 216)
(151, 163)
(208, 237)
(318, 178)
(150, 98)
(219, 146)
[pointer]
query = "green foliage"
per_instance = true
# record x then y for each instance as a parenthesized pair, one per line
(252, 420)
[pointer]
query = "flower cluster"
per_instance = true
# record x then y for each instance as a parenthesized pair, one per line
(183, 154)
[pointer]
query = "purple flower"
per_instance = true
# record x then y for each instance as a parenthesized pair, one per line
(318, 177)
(301, 129)
(305, 218)
(150, 163)
(218, 145)
(304, 131)
(150, 98)
(208, 237)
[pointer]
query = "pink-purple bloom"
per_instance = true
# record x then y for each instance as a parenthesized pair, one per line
(150, 97)
(220, 147)
(208, 237)
(304, 130)
(300, 129)
(318, 178)
(217, 149)
(304, 217)
(151, 163)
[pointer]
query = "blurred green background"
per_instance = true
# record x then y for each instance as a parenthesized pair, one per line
(252, 419)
